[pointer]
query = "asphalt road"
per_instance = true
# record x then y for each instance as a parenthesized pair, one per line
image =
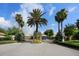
(29, 49)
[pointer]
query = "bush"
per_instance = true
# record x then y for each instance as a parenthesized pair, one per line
(37, 41)
(7, 41)
(49, 33)
(76, 36)
(7, 37)
(58, 37)
(19, 36)
(37, 35)
(70, 30)
(12, 31)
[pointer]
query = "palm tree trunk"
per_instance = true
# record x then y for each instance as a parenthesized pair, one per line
(61, 26)
(36, 27)
(36, 37)
(62, 31)
(58, 27)
(70, 38)
(20, 28)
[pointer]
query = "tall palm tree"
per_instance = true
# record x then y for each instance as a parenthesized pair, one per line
(60, 17)
(36, 19)
(19, 20)
(63, 14)
(57, 20)
(77, 23)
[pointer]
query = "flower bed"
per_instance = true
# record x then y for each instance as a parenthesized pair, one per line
(37, 41)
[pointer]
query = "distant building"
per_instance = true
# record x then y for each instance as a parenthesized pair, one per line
(44, 37)
(31, 37)
(2, 35)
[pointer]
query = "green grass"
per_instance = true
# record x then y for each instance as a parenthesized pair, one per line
(72, 42)
(7, 41)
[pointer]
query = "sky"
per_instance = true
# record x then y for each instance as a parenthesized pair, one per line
(9, 10)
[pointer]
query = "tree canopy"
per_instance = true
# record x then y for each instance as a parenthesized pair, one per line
(70, 30)
(36, 19)
(49, 33)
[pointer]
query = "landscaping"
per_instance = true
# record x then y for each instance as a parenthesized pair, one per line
(39, 29)
(73, 43)
(66, 35)
(7, 41)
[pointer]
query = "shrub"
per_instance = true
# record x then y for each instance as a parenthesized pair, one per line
(12, 31)
(19, 36)
(7, 37)
(76, 36)
(37, 35)
(37, 41)
(49, 33)
(70, 30)
(58, 37)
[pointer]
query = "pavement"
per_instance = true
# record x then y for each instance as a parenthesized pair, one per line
(43, 49)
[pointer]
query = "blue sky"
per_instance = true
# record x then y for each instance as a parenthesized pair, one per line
(8, 11)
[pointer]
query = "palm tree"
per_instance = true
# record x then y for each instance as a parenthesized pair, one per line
(19, 36)
(63, 15)
(57, 20)
(19, 20)
(77, 23)
(36, 19)
(60, 17)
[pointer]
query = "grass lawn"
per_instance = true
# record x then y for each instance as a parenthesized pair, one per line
(72, 42)
(7, 41)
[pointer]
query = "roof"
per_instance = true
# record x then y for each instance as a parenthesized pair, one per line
(43, 35)
(2, 34)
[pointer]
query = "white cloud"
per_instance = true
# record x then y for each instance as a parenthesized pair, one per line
(29, 7)
(24, 11)
(53, 24)
(51, 11)
(4, 23)
(72, 9)
(7, 23)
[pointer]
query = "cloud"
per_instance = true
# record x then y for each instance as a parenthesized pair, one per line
(72, 9)
(7, 23)
(4, 23)
(53, 25)
(51, 11)
(50, 26)
(24, 11)
(29, 7)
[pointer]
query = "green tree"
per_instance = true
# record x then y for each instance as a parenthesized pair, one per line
(60, 17)
(19, 20)
(49, 33)
(20, 36)
(76, 36)
(77, 23)
(69, 31)
(12, 31)
(36, 19)
(2, 30)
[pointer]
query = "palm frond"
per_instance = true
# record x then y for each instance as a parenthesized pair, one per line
(36, 18)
